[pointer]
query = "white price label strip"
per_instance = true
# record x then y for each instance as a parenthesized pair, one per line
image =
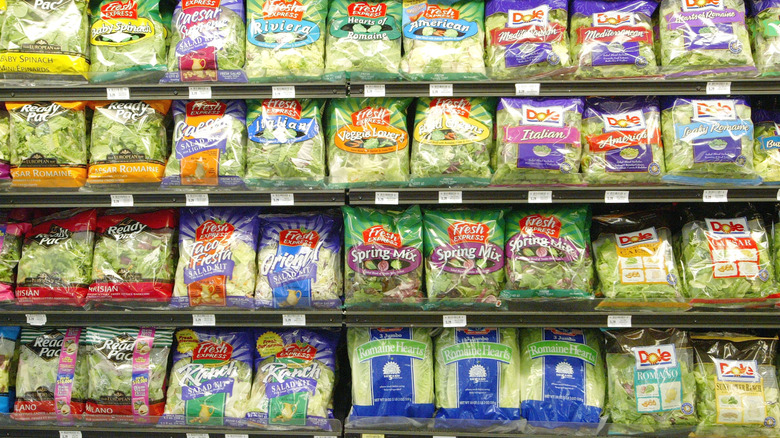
(36, 318)
(778, 194)
(70, 434)
(122, 93)
(197, 435)
(718, 87)
(196, 200)
(539, 197)
(527, 89)
(454, 321)
(236, 435)
(294, 319)
(616, 197)
(283, 92)
(204, 320)
(440, 90)
(386, 198)
(282, 199)
(715, 196)
(619, 321)
(373, 90)
(121, 200)
(200, 93)
(451, 197)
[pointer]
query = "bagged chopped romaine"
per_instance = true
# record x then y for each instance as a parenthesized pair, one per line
(126, 373)
(443, 40)
(209, 143)
(464, 254)
(477, 374)
(285, 39)
(538, 141)
(367, 141)
(526, 38)
(56, 263)
(708, 141)
(298, 262)
(295, 376)
(11, 239)
(548, 252)
(133, 258)
(9, 336)
(453, 141)
(286, 144)
(766, 146)
(5, 144)
(211, 378)
(383, 255)
(764, 24)
(217, 252)
(129, 142)
(48, 143)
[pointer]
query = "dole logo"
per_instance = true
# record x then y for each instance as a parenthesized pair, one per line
(613, 19)
(276, 107)
(299, 350)
(301, 237)
(462, 107)
(214, 230)
(537, 16)
(538, 224)
(212, 352)
(630, 121)
(461, 232)
(368, 115)
(292, 9)
(434, 11)
(727, 226)
(737, 370)
(648, 235)
(118, 9)
(714, 109)
(548, 116)
(197, 108)
(380, 236)
(693, 5)
(363, 9)
(655, 356)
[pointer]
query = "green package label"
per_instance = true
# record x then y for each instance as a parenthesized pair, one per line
(658, 380)
(771, 28)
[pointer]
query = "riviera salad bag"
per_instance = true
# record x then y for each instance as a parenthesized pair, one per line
(11, 240)
(763, 23)
(9, 337)
(766, 146)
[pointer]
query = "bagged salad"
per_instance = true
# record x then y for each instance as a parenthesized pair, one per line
(526, 38)
(5, 145)
(11, 240)
(48, 143)
(367, 141)
(453, 141)
(766, 146)
(538, 141)
(217, 252)
(383, 255)
(443, 40)
(548, 252)
(764, 24)
(9, 337)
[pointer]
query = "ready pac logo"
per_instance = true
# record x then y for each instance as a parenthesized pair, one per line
(539, 224)
(655, 356)
(714, 110)
(613, 19)
(529, 17)
(276, 107)
(462, 232)
(648, 235)
(380, 236)
(434, 11)
(698, 5)
(380, 116)
(546, 116)
(363, 9)
(300, 237)
(628, 121)
(119, 9)
(737, 370)
(728, 227)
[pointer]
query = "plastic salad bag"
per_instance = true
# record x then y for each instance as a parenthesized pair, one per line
(211, 378)
(392, 372)
(548, 252)
(299, 262)
(776, 241)
(295, 376)
(526, 38)
(48, 143)
(5, 144)
(56, 263)
(364, 39)
(285, 39)
(708, 141)
(764, 24)
(217, 252)
(383, 255)
(538, 141)
(622, 141)
(443, 40)
(286, 142)
(134, 256)
(129, 142)
(11, 240)
(453, 141)
(464, 254)
(126, 373)
(9, 337)
(477, 374)
(209, 143)
(766, 146)
(367, 141)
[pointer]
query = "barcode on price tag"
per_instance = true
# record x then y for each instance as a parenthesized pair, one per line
(527, 89)
(619, 321)
(454, 321)
(451, 197)
(374, 90)
(70, 434)
(283, 92)
(539, 197)
(440, 90)
(196, 200)
(282, 199)
(122, 93)
(197, 435)
(204, 319)
(294, 319)
(715, 196)
(36, 318)
(121, 200)
(718, 87)
(616, 197)
(386, 198)
(200, 93)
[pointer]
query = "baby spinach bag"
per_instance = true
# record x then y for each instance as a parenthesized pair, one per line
(766, 146)
(764, 24)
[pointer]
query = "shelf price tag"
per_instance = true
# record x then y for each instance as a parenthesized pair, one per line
(386, 198)
(196, 200)
(121, 200)
(451, 197)
(70, 434)
(236, 435)
(197, 435)
(440, 90)
(204, 320)
(283, 92)
(616, 197)
(372, 435)
(527, 89)
(294, 319)
(715, 196)
(454, 320)
(619, 321)
(121, 93)
(718, 87)
(539, 197)
(374, 90)
(282, 199)
(36, 318)
(200, 93)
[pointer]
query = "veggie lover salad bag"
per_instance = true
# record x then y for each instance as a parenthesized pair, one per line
(766, 146)
(11, 240)
(9, 337)
(764, 32)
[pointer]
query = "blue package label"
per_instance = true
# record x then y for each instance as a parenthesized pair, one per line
(283, 33)
(282, 130)
(657, 379)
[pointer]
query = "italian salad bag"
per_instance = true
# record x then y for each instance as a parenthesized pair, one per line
(11, 240)
(9, 338)
(766, 146)
(763, 23)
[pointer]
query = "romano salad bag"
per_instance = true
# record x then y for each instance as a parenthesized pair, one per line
(295, 375)
(11, 240)
(763, 23)
(383, 255)
(9, 337)
(392, 372)
(766, 146)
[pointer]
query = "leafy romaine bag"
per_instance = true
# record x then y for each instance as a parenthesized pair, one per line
(285, 39)
(9, 337)
(526, 38)
(383, 255)
(286, 143)
(443, 40)
(129, 142)
(211, 378)
(367, 141)
(126, 373)
(48, 142)
(217, 252)
(764, 22)
(299, 262)
(5, 145)
(453, 141)
(548, 252)
(11, 240)
(766, 145)
(56, 263)
(295, 376)
(538, 141)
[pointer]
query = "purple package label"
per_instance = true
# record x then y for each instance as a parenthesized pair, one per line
(536, 134)
(186, 147)
(63, 388)
(718, 150)
(409, 258)
(547, 156)
(464, 258)
(322, 343)
(718, 37)
(618, 54)
(504, 6)
(530, 54)
(631, 159)
(291, 386)
(197, 273)
(5, 170)
(222, 385)
(705, 18)
(140, 383)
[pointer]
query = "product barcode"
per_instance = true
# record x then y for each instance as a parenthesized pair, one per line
(70, 434)
(619, 321)
(718, 87)
(386, 198)
(122, 93)
(36, 318)
(616, 197)
(196, 200)
(283, 92)
(204, 320)
(200, 93)
(540, 197)
(715, 196)
(527, 89)
(454, 321)
(121, 200)
(282, 199)
(440, 90)
(373, 90)
(451, 197)
(294, 319)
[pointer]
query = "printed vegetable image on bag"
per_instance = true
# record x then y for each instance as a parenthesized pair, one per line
(48, 143)
(129, 142)
(766, 146)
(392, 372)
(11, 240)
(126, 373)
(295, 375)
(9, 336)
(217, 252)
(763, 23)
(5, 147)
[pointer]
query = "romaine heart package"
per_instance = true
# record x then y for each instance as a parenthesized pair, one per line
(11, 240)
(9, 336)
(766, 147)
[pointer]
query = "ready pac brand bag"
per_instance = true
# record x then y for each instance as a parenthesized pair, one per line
(11, 240)
(9, 338)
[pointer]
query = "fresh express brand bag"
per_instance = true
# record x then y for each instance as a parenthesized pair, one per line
(392, 372)
(9, 337)
(766, 146)
(11, 240)
(56, 263)
(763, 23)
(126, 373)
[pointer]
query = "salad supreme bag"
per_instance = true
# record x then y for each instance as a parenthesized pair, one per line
(763, 23)
(11, 240)
(9, 337)
(766, 146)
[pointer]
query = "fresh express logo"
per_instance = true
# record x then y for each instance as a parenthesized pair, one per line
(697, 5)
(461, 232)
(434, 11)
(301, 237)
(648, 235)
(529, 17)
(276, 107)
(476, 331)
(118, 9)
(205, 108)
(737, 370)
(613, 19)
(292, 10)
(731, 227)
(212, 352)
(547, 116)
(462, 107)
(655, 356)
(368, 115)
(213, 230)
(629, 121)
(379, 235)
(363, 9)
(538, 224)
(55, 235)
(300, 351)
(188, 4)
(714, 110)
(125, 229)
(117, 349)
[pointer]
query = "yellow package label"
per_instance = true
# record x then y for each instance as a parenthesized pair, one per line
(24, 62)
(125, 173)
(739, 392)
(120, 31)
(641, 258)
(48, 176)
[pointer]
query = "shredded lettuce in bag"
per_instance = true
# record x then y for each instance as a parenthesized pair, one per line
(766, 146)
(9, 337)
(764, 24)
(5, 145)
(11, 239)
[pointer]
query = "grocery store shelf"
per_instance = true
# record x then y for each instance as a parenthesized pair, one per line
(382, 433)
(24, 431)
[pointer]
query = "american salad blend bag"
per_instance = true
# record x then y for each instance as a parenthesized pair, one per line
(126, 373)
(538, 141)
(217, 252)
(299, 262)
(383, 255)
(56, 263)
(526, 38)
(766, 145)
(443, 40)
(11, 240)
(48, 142)
(211, 378)
(548, 252)
(9, 337)
(295, 375)
(764, 24)
(5, 144)
(392, 372)
(285, 39)
(134, 256)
